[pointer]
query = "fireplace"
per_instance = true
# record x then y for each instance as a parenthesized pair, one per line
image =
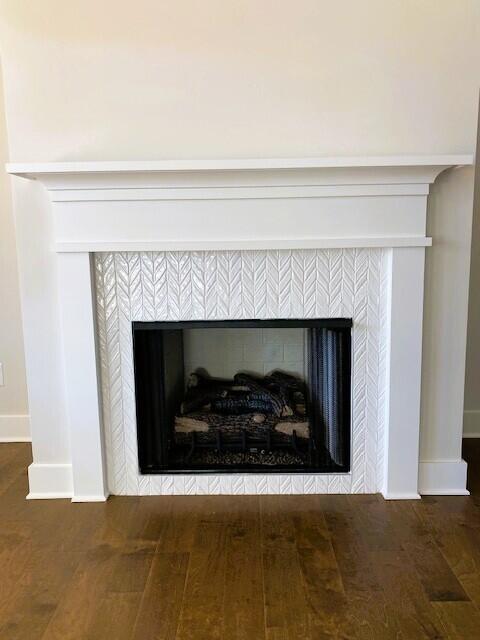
(246, 396)
(298, 240)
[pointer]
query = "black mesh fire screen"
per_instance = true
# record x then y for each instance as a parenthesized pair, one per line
(245, 395)
(329, 383)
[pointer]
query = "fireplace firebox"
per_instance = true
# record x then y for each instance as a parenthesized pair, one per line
(243, 395)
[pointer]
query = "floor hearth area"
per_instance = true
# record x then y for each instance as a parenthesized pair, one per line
(256, 567)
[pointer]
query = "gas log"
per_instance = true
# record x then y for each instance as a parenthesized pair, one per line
(278, 394)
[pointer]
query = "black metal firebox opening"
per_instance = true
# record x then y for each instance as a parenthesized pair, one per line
(249, 440)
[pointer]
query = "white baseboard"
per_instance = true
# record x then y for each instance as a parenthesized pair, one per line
(402, 496)
(49, 481)
(15, 428)
(471, 424)
(49, 496)
(443, 478)
(92, 498)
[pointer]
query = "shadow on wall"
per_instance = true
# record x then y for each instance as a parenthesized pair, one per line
(14, 419)
(471, 417)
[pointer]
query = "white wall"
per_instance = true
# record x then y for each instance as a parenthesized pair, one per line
(14, 421)
(471, 423)
(159, 79)
(445, 317)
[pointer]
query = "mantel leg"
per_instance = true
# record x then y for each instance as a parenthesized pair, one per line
(404, 367)
(81, 374)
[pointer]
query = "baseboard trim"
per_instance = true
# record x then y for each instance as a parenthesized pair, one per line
(49, 496)
(471, 424)
(49, 481)
(439, 477)
(15, 428)
(100, 498)
(442, 478)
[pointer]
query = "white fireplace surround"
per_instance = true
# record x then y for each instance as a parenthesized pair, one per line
(296, 238)
(218, 285)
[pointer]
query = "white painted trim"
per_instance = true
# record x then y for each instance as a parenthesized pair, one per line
(442, 478)
(222, 245)
(471, 423)
(404, 369)
(239, 164)
(50, 481)
(15, 428)
(54, 495)
(101, 498)
(236, 179)
(238, 193)
(82, 388)
(402, 496)
(90, 198)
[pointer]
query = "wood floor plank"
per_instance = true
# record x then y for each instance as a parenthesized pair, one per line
(14, 451)
(405, 598)
(117, 612)
(287, 614)
(367, 608)
(15, 553)
(237, 568)
(38, 594)
(116, 523)
(151, 516)
(15, 460)
(159, 611)
(459, 544)
(180, 528)
(325, 597)
(79, 605)
(416, 538)
(460, 619)
(115, 616)
(130, 571)
(277, 523)
(436, 576)
(373, 515)
(468, 571)
(201, 616)
(243, 611)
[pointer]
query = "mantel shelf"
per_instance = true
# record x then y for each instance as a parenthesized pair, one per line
(238, 178)
(37, 169)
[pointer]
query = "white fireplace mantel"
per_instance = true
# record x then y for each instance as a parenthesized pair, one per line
(166, 188)
(425, 163)
(218, 205)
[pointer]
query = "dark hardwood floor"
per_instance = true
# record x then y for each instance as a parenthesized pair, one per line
(270, 567)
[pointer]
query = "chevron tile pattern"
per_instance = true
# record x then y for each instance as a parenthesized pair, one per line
(218, 285)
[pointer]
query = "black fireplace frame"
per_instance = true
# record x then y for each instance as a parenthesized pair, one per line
(150, 388)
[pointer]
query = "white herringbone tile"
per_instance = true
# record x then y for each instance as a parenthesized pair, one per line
(243, 284)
